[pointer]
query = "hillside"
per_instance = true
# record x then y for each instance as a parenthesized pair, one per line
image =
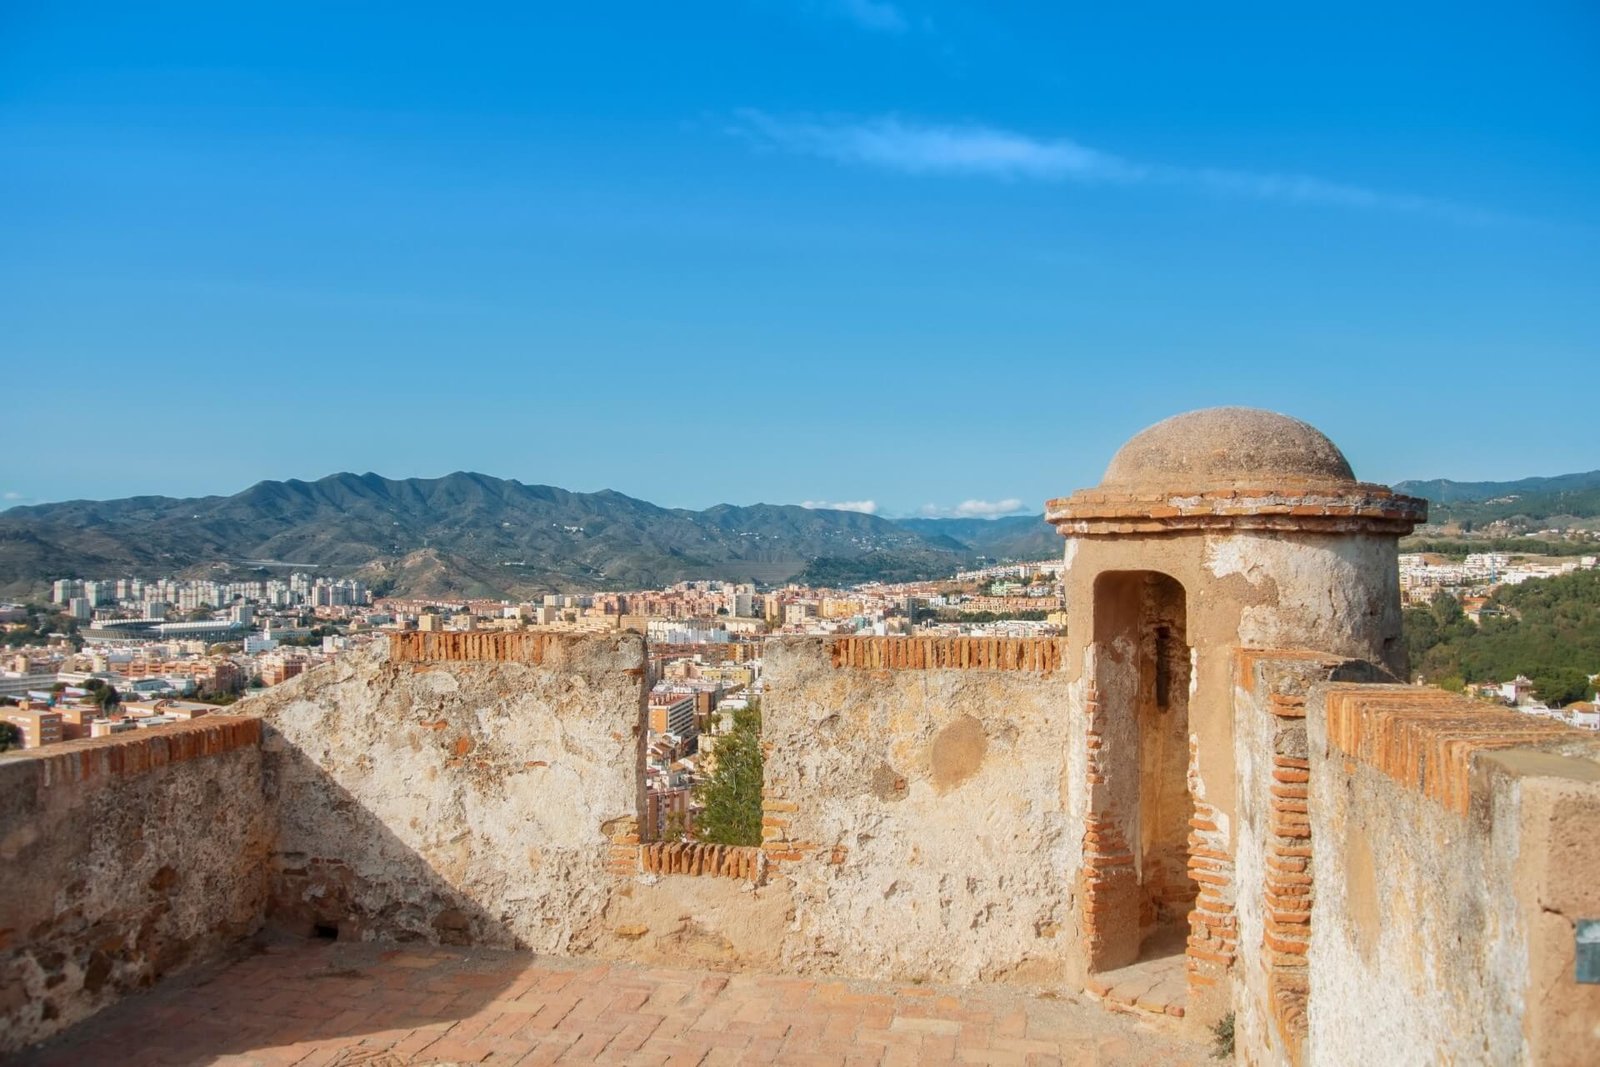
(1563, 496)
(460, 534)
(1547, 629)
(1019, 537)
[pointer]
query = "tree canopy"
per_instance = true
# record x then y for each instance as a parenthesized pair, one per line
(1547, 629)
(730, 797)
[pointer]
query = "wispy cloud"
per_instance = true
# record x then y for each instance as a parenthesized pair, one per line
(975, 509)
(892, 144)
(866, 507)
(876, 15)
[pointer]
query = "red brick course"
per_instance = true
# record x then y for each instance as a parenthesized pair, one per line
(1425, 739)
(1108, 882)
(1041, 654)
(126, 755)
(704, 859)
(513, 646)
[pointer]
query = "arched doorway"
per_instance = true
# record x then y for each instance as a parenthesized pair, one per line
(1137, 844)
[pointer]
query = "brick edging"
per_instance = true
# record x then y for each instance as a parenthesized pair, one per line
(1041, 654)
(125, 755)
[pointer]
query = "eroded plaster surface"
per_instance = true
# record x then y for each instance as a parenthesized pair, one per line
(937, 802)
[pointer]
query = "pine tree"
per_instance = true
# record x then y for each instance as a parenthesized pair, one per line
(731, 795)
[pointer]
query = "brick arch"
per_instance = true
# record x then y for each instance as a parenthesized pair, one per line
(1138, 885)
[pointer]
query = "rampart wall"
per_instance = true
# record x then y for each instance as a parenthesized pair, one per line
(464, 802)
(918, 796)
(122, 860)
(1261, 919)
(1398, 874)
(483, 789)
(1454, 853)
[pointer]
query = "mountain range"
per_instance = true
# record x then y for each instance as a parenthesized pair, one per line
(473, 535)
(1565, 496)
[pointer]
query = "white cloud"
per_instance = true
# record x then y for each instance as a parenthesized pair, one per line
(971, 150)
(890, 144)
(11, 496)
(875, 15)
(866, 507)
(976, 509)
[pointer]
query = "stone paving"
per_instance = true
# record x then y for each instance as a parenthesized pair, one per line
(326, 1004)
(1155, 985)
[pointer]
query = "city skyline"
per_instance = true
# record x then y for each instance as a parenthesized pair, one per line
(848, 249)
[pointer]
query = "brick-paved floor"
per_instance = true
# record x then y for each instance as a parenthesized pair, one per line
(322, 1004)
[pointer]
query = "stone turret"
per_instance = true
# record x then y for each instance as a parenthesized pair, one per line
(1261, 520)
(1211, 532)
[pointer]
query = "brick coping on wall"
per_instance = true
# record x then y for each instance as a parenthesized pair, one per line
(1042, 654)
(490, 646)
(127, 754)
(1425, 739)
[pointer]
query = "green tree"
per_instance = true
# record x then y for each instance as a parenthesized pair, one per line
(10, 736)
(1446, 611)
(104, 696)
(1558, 686)
(1548, 629)
(731, 795)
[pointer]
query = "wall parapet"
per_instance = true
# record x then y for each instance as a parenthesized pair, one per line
(513, 646)
(1041, 654)
(1426, 739)
(124, 859)
(127, 755)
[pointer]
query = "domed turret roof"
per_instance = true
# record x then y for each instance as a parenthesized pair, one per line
(1224, 447)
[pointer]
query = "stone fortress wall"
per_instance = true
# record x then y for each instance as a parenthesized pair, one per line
(124, 859)
(1215, 758)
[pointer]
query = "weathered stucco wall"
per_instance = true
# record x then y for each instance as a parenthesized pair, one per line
(121, 860)
(926, 811)
(1276, 856)
(490, 796)
(1451, 863)
(456, 802)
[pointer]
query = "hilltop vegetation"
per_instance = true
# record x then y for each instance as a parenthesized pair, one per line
(1537, 499)
(1547, 629)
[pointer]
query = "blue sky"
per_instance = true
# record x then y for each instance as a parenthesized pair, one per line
(917, 254)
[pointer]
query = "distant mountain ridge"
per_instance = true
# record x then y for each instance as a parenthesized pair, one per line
(1564, 495)
(471, 534)
(463, 534)
(1445, 491)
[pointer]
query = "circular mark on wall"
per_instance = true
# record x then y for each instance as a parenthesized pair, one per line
(958, 752)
